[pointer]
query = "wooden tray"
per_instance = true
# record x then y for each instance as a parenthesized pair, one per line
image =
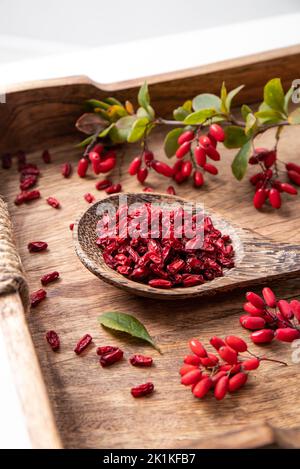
(92, 407)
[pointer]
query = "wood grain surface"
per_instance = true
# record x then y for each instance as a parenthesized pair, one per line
(93, 406)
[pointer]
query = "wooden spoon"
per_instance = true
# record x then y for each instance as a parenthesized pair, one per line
(258, 260)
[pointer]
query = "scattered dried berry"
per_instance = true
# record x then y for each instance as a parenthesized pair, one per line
(37, 246)
(53, 340)
(48, 278)
(53, 202)
(37, 296)
(83, 343)
(142, 390)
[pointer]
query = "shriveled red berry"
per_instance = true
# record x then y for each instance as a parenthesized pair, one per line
(251, 364)
(217, 342)
(37, 246)
(191, 377)
(46, 157)
(216, 131)
(37, 296)
(105, 349)
(141, 360)
(263, 336)
(287, 334)
(186, 368)
(221, 388)
(197, 348)
(186, 136)
(135, 165)
(275, 198)
(160, 283)
(142, 390)
(82, 167)
(259, 198)
(83, 343)
(48, 278)
(236, 343)
(53, 340)
(113, 189)
(28, 182)
(255, 299)
(183, 149)
(228, 354)
(71, 226)
(201, 389)
(171, 190)
(104, 184)
(237, 381)
(66, 170)
(109, 358)
(269, 297)
(53, 202)
(252, 323)
(89, 197)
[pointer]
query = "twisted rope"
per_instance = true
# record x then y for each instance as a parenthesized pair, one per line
(12, 276)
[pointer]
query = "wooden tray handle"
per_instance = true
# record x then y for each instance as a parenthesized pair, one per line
(14, 300)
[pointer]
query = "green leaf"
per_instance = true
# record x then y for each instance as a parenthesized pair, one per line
(294, 117)
(138, 129)
(268, 116)
(231, 95)
(126, 323)
(121, 129)
(274, 95)
(245, 111)
(180, 114)
(235, 136)
(84, 142)
(199, 117)
(106, 131)
(143, 96)
(112, 101)
(206, 101)
(95, 103)
(170, 143)
(240, 162)
(287, 99)
(251, 124)
(223, 98)
(187, 105)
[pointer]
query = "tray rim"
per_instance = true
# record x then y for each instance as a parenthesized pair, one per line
(249, 440)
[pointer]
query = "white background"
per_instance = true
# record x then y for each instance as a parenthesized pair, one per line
(112, 41)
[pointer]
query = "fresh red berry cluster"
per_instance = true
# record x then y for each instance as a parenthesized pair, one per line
(101, 161)
(268, 186)
(222, 373)
(193, 151)
(164, 260)
(141, 164)
(270, 318)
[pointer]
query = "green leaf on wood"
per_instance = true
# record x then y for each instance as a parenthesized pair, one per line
(199, 117)
(170, 143)
(138, 129)
(126, 323)
(235, 136)
(206, 101)
(274, 95)
(240, 162)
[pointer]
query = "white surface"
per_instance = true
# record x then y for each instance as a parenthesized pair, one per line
(24, 36)
(162, 54)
